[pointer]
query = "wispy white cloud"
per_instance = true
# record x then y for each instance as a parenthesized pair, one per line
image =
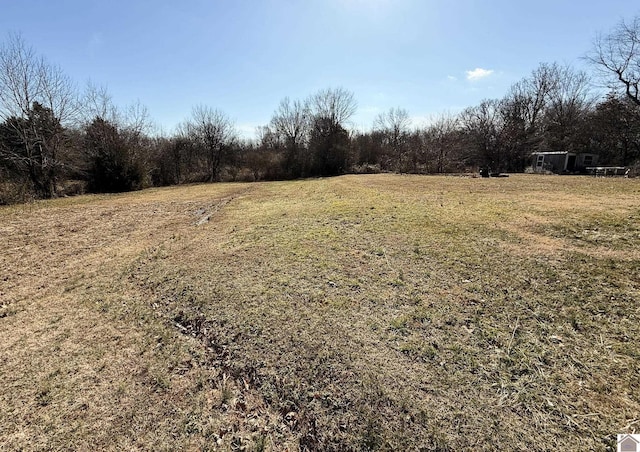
(478, 74)
(452, 78)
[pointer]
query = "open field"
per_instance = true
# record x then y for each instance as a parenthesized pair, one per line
(378, 312)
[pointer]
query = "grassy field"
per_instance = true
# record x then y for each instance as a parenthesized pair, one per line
(377, 312)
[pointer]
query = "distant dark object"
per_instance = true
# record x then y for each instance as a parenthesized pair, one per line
(485, 172)
(562, 162)
(606, 171)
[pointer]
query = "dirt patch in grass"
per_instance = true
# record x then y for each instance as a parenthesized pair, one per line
(373, 312)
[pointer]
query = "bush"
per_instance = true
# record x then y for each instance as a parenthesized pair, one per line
(73, 188)
(15, 192)
(366, 168)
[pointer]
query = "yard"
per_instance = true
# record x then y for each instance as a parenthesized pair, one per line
(371, 312)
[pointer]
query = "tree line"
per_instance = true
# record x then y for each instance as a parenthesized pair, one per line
(56, 141)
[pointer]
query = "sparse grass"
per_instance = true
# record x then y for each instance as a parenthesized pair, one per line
(371, 312)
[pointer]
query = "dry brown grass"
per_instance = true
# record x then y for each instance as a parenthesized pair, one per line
(376, 312)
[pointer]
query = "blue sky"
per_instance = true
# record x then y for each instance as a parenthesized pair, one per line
(244, 56)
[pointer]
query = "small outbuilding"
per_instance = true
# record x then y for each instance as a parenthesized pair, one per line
(562, 162)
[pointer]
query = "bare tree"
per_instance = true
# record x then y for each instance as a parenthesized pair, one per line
(97, 102)
(615, 130)
(529, 97)
(37, 101)
(331, 109)
(442, 141)
(483, 126)
(267, 138)
(569, 103)
(336, 105)
(291, 120)
(182, 155)
(26, 78)
(213, 132)
(545, 111)
(117, 144)
(617, 56)
(264, 161)
(523, 110)
(395, 120)
(394, 125)
(291, 123)
(136, 119)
